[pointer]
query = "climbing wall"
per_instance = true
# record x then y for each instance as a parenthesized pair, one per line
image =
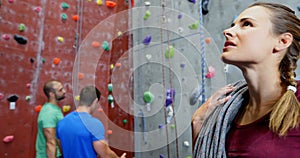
(40, 40)
(168, 69)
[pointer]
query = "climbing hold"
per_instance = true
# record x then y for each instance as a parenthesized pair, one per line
(172, 126)
(147, 3)
(194, 26)
(110, 99)
(147, 40)
(64, 16)
(147, 15)
(12, 98)
(43, 60)
(37, 9)
(118, 64)
(109, 132)
(75, 17)
(80, 75)
(298, 7)
(1, 96)
(169, 52)
(112, 66)
(110, 87)
(22, 27)
(100, 110)
(28, 85)
(207, 40)
(211, 72)
(179, 16)
(38, 108)
(170, 96)
(65, 5)
(160, 126)
(77, 97)
(12, 101)
(111, 4)
(5, 37)
(148, 56)
(188, 157)
(10, 1)
(182, 65)
(204, 7)
(186, 144)
(8, 139)
(66, 108)
(105, 46)
(27, 98)
(56, 61)
(95, 44)
(60, 39)
(119, 33)
(192, 1)
(161, 156)
(125, 121)
(20, 39)
(99, 2)
(148, 97)
(31, 60)
(180, 30)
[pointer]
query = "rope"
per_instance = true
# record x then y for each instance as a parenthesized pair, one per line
(202, 50)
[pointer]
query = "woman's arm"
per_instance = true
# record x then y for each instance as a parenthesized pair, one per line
(205, 109)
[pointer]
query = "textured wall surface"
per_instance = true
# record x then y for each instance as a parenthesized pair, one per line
(26, 67)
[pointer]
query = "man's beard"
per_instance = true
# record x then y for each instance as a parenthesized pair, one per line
(59, 98)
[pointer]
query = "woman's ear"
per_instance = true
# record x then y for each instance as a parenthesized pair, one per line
(283, 42)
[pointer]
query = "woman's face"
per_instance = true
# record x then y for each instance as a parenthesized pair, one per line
(249, 40)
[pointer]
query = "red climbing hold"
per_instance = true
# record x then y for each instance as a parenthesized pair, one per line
(38, 108)
(75, 17)
(56, 61)
(111, 4)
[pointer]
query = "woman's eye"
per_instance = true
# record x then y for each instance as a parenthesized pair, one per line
(247, 23)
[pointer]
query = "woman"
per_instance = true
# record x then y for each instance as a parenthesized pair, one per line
(261, 117)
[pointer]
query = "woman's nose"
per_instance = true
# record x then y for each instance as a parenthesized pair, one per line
(227, 33)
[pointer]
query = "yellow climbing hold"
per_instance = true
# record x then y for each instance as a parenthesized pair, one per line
(99, 2)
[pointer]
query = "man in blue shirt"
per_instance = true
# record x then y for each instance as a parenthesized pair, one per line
(80, 134)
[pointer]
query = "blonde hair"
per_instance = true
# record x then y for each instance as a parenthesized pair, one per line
(285, 114)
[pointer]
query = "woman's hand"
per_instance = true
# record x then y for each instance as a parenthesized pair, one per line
(218, 98)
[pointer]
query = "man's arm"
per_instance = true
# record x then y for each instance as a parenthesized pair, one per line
(102, 149)
(50, 142)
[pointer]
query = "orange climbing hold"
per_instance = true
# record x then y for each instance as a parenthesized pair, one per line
(38, 108)
(80, 75)
(207, 40)
(75, 17)
(95, 44)
(111, 4)
(118, 64)
(56, 61)
(109, 132)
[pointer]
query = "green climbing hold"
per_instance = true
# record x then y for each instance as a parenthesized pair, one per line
(64, 17)
(194, 26)
(64, 5)
(110, 87)
(169, 52)
(148, 97)
(147, 15)
(188, 156)
(125, 121)
(172, 126)
(27, 98)
(110, 99)
(22, 27)
(105, 46)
